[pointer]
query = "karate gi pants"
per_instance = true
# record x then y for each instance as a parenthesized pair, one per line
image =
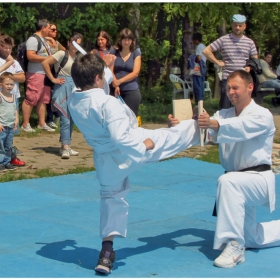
(168, 142)
(238, 194)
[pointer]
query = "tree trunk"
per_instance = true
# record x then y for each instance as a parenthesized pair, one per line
(186, 46)
(222, 30)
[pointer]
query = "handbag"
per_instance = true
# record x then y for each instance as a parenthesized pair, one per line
(47, 81)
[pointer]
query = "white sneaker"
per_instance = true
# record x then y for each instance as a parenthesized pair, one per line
(73, 152)
(27, 128)
(232, 255)
(65, 154)
(46, 127)
(52, 125)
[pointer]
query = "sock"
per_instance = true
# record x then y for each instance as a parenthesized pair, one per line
(107, 246)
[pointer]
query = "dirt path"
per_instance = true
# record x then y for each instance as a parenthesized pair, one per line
(42, 152)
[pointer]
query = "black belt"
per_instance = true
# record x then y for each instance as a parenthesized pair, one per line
(258, 168)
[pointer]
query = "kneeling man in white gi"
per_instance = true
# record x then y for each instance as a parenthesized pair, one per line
(245, 136)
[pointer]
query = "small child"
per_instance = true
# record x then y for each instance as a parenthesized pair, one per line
(8, 120)
(119, 145)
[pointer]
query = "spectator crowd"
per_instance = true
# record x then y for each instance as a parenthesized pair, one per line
(44, 67)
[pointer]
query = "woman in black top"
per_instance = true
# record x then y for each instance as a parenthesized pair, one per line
(126, 70)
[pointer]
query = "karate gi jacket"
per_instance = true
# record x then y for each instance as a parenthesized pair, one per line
(246, 141)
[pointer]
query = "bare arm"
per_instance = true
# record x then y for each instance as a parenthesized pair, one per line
(8, 63)
(50, 60)
(16, 120)
(61, 48)
(19, 77)
(208, 52)
(34, 57)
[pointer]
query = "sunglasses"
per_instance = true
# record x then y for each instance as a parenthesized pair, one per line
(54, 29)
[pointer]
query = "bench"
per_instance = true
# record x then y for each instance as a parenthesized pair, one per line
(263, 92)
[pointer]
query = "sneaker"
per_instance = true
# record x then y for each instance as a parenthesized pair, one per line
(27, 128)
(65, 153)
(10, 167)
(72, 152)
(17, 162)
(46, 127)
(16, 151)
(52, 125)
(2, 168)
(105, 262)
(232, 255)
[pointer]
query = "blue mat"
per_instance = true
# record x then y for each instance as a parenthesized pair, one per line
(50, 226)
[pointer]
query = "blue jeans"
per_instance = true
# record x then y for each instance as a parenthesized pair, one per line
(6, 143)
(273, 83)
(66, 128)
(198, 87)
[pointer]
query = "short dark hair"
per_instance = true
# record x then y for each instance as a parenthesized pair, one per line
(197, 36)
(41, 23)
(244, 75)
(74, 36)
(85, 68)
(6, 39)
(105, 35)
(126, 34)
(6, 75)
(267, 53)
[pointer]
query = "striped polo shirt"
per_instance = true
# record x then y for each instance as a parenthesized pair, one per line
(235, 52)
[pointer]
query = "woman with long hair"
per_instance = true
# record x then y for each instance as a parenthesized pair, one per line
(52, 117)
(52, 39)
(102, 44)
(126, 70)
(63, 60)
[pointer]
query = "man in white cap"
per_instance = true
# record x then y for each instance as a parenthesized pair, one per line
(235, 48)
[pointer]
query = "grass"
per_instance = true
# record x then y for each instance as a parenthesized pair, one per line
(42, 173)
(211, 156)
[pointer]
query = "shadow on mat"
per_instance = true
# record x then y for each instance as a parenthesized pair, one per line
(67, 251)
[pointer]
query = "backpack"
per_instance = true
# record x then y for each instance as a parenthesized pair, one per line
(21, 52)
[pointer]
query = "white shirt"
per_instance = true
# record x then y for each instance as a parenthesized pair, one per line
(15, 68)
(107, 127)
(246, 140)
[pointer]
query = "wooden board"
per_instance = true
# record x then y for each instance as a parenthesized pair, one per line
(182, 109)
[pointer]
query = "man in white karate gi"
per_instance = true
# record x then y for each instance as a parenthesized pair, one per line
(245, 137)
(119, 145)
